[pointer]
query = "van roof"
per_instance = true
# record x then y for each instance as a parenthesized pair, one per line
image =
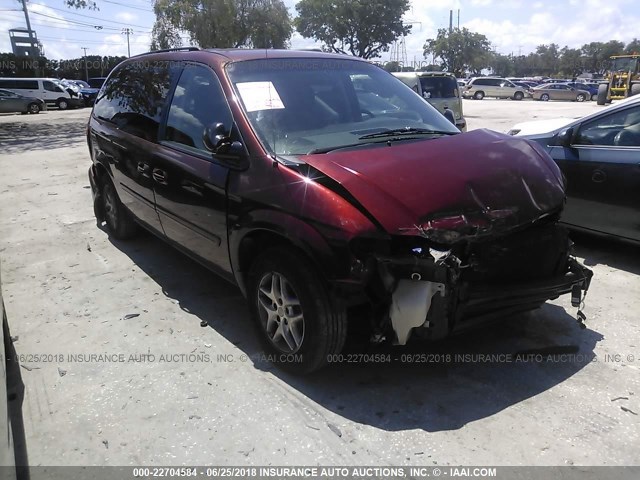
(241, 54)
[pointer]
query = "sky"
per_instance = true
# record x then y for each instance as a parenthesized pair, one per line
(515, 26)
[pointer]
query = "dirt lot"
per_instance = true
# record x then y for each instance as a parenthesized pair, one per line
(167, 391)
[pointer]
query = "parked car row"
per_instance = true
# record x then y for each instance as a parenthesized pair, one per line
(62, 94)
(480, 87)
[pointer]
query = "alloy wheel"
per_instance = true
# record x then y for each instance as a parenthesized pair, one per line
(280, 312)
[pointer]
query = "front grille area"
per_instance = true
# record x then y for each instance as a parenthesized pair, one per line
(535, 253)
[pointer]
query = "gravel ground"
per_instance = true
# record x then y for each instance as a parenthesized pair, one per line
(167, 391)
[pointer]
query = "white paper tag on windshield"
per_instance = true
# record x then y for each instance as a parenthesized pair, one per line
(259, 96)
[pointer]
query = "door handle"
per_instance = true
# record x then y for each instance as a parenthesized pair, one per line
(143, 167)
(160, 176)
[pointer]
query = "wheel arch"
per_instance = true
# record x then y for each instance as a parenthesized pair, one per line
(279, 229)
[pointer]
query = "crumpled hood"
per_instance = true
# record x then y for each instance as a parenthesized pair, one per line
(473, 183)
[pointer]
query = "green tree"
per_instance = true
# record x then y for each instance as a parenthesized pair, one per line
(460, 50)
(502, 65)
(570, 64)
(359, 27)
(222, 23)
(632, 47)
(597, 55)
(548, 59)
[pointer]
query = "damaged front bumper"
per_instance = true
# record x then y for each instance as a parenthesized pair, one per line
(434, 294)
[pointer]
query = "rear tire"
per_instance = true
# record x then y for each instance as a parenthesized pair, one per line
(478, 95)
(119, 221)
(300, 326)
(603, 91)
(33, 108)
(635, 89)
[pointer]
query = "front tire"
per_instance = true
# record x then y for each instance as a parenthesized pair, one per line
(119, 221)
(580, 97)
(300, 326)
(62, 104)
(518, 96)
(635, 89)
(478, 95)
(544, 97)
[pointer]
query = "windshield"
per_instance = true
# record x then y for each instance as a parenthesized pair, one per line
(439, 87)
(297, 106)
(624, 64)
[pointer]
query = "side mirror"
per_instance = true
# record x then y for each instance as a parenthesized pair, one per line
(217, 139)
(216, 136)
(563, 137)
(449, 115)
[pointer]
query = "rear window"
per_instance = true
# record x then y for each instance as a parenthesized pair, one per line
(439, 87)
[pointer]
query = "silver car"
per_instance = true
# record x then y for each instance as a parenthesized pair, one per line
(480, 87)
(560, 91)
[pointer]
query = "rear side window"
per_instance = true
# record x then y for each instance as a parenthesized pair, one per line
(480, 82)
(26, 84)
(198, 102)
(7, 84)
(133, 98)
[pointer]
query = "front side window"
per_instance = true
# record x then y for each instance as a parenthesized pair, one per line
(133, 98)
(51, 87)
(621, 128)
(198, 102)
(297, 106)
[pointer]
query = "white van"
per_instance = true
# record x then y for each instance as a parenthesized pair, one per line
(48, 89)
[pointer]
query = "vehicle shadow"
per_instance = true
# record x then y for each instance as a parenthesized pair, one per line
(598, 250)
(434, 387)
(20, 136)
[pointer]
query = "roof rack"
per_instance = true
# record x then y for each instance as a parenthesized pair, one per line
(177, 49)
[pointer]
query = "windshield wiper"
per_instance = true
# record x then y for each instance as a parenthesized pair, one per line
(405, 131)
(336, 147)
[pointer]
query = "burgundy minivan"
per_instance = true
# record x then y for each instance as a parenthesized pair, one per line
(322, 186)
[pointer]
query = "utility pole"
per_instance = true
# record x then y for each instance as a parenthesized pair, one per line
(458, 19)
(450, 21)
(86, 70)
(31, 39)
(127, 31)
(26, 17)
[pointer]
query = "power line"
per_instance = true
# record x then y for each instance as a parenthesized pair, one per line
(128, 6)
(64, 26)
(87, 16)
(66, 21)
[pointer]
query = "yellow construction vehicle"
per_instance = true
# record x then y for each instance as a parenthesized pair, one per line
(622, 79)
